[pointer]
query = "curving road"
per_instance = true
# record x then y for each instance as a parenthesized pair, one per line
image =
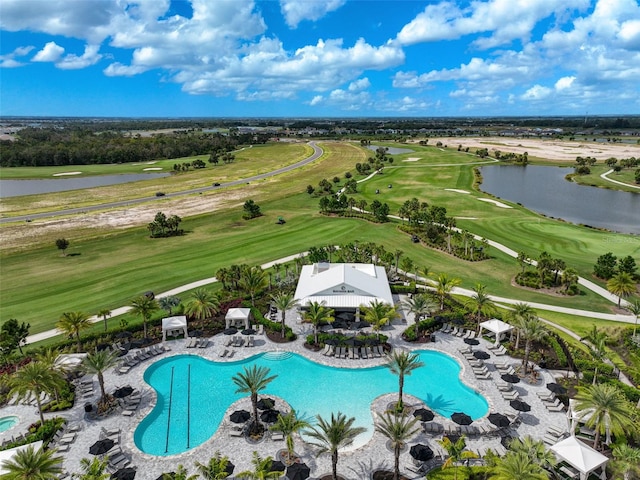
(317, 153)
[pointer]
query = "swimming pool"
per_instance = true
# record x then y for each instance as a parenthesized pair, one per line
(7, 422)
(203, 391)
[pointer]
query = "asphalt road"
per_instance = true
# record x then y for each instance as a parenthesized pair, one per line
(317, 152)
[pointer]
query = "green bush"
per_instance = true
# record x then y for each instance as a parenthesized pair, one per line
(553, 343)
(36, 431)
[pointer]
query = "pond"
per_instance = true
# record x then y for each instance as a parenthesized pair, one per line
(544, 190)
(17, 188)
(391, 150)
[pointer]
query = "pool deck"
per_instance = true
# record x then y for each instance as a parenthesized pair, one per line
(354, 464)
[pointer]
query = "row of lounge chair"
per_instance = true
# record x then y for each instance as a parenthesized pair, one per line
(554, 434)
(551, 402)
(194, 342)
(478, 367)
(131, 360)
(238, 341)
(458, 331)
(498, 349)
(130, 404)
(375, 351)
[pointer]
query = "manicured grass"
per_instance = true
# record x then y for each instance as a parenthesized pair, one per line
(594, 179)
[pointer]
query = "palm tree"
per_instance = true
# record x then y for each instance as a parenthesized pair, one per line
(333, 435)
(290, 424)
(597, 347)
(32, 380)
(168, 303)
(569, 278)
(224, 275)
(612, 413)
(396, 255)
(181, 473)
(534, 449)
(202, 304)
(105, 313)
(252, 281)
(635, 309)
(627, 461)
(398, 429)
(261, 469)
(402, 363)
(96, 364)
(284, 301)
(521, 311)
(72, 323)
(144, 306)
(32, 464)
(316, 314)
(533, 330)
(95, 469)
(378, 314)
(216, 469)
(621, 285)
(444, 286)
(420, 305)
(517, 466)
(253, 381)
(480, 303)
(457, 452)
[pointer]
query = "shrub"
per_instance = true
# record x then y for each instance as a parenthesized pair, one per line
(553, 343)
(36, 431)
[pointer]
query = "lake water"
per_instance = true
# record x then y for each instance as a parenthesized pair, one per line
(391, 150)
(17, 188)
(544, 190)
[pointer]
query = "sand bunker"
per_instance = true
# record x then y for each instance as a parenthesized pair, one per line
(151, 163)
(456, 190)
(151, 168)
(411, 159)
(66, 173)
(495, 202)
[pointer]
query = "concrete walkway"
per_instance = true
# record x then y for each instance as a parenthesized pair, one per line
(606, 174)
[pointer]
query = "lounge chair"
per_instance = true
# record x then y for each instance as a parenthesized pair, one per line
(260, 329)
(325, 350)
(546, 396)
(203, 343)
(352, 353)
(369, 352)
(555, 408)
(229, 341)
(363, 352)
(223, 353)
(251, 341)
(510, 395)
(231, 353)
(236, 432)
(193, 341)
(375, 351)
(343, 352)
(277, 436)
(239, 341)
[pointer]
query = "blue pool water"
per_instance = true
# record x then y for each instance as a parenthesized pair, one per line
(7, 422)
(310, 389)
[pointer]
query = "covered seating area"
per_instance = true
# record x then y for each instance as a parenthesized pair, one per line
(238, 317)
(582, 460)
(496, 328)
(174, 326)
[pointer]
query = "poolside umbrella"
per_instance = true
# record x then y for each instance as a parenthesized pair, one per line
(371, 341)
(359, 325)
(339, 324)
(298, 471)
(124, 334)
(520, 405)
(332, 341)
(229, 469)
(123, 392)
(556, 388)
(101, 446)
(353, 342)
(345, 316)
(471, 341)
(248, 331)
(461, 418)
(421, 452)
(277, 466)
(424, 414)
(196, 333)
(266, 403)
(269, 416)
(480, 355)
(230, 331)
(507, 377)
(499, 420)
(127, 473)
(239, 416)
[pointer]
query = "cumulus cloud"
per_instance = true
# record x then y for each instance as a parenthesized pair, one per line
(295, 11)
(51, 52)
(537, 92)
(74, 62)
(9, 60)
(316, 100)
(564, 83)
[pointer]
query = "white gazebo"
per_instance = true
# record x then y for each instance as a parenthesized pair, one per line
(238, 317)
(580, 456)
(174, 326)
(496, 327)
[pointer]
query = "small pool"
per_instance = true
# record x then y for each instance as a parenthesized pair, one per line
(8, 422)
(310, 388)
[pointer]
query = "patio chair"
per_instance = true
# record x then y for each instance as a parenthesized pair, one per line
(260, 329)
(546, 396)
(193, 341)
(375, 351)
(467, 334)
(203, 343)
(555, 408)
(239, 341)
(251, 341)
(352, 353)
(277, 436)
(236, 432)
(510, 395)
(500, 351)
(483, 376)
(223, 353)
(363, 353)
(369, 352)
(229, 341)
(325, 350)
(343, 352)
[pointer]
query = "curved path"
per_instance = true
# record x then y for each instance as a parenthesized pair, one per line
(317, 153)
(605, 176)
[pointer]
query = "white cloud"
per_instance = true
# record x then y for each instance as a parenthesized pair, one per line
(537, 92)
(295, 11)
(564, 83)
(74, 62)
(316, 100)
(51, 52)
(9, 60)
(358, 85)
(117, 69)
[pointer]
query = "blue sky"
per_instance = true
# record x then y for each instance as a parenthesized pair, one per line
(319, 58)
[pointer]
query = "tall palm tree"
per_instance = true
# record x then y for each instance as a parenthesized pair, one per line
(289, 424)
(521, 311)
(96, 364)
(261, 469)
(569, 277)
(253, 280)
(105, 313)
(72, 323)
(378, 314)
(635, 309)
(284, 301)
(216, 469)
(224, 275)
(534, 449)
(202, 304)
(398, 429)
(622, 285)
(517, 466)
(145, 307)
(457, 451)
(626, 461)
(32, 464)
(612, 413)
(252, 381)
(396, 255)
(480, 303)
(316, 314)
(331, 436)
(402, 363)
(33, 380)
(420, 305)
(94, 469)
(444, 286)
(533, 330)
(597, 347)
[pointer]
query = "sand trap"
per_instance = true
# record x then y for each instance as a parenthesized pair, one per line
(456, 190)
(151, 163)
(466, 218)
(495, 202)
(66, 173)
(411, 159)
(151, 168)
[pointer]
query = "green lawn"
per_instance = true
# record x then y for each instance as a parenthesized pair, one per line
(625, 176)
